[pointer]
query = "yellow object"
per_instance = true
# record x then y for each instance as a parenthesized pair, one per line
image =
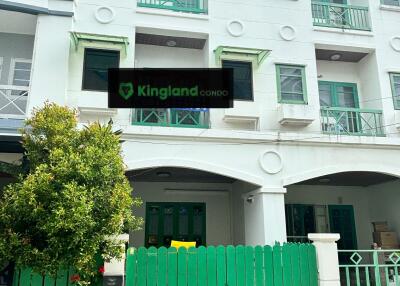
(186, 244)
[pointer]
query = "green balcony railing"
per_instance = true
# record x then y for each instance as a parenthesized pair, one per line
(370, 267)
(176, 117)
(189, 6)
(352, 121)
(340, 16)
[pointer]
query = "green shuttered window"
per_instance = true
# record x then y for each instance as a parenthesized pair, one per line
(291, 84)
(242, 79)
(395, 80)
(95, 68)
(175, 221)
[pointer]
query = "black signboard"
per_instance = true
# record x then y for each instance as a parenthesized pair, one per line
(170, 88)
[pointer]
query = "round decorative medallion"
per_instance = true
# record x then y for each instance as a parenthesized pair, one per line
(235, 28)
(104, 15)
(395, 43)
(271, 162)
(288, 33)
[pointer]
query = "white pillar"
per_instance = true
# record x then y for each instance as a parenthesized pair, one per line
(50, 62)
(327, 257)
(116, 267)
(264, 212)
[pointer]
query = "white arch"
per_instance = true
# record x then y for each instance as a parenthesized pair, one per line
(197, 165)
(376, 168)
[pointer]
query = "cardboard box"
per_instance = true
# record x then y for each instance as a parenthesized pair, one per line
(385, 238)
(380, 226)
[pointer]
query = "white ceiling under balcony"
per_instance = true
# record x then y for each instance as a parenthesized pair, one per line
(170, 41)
(17, 23)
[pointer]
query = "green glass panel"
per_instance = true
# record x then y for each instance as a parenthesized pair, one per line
(242, 79)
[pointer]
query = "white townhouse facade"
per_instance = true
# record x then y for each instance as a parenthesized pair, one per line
(312, 142)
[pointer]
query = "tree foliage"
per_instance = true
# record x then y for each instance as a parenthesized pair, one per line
(72, 201)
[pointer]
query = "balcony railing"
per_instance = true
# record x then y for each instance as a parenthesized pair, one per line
(189, 6)
(352, 121)
(340, 16)
(13, 101)
(177, 117)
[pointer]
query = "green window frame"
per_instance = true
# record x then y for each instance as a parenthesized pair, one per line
(295, 75)
(242, 79)
(95, 68)
(335, 89)
(166, 221)
(395, 84)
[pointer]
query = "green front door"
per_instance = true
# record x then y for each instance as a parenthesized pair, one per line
(341, 220)
(175, 221)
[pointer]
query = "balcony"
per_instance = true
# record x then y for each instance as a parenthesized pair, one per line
(177, 117)
(352, 121)
(188, 6)
(340, 16)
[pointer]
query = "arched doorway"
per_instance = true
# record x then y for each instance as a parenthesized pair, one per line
(188, 204)
(349, 203)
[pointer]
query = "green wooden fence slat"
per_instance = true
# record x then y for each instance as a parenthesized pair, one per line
(62, 277)
(152, 266)
(231, 265)
(142, 266)
(277, 261)
(16, 277)
(249, 265)
(49, 281)
(312, 258)
(192, 266)
(36, 279)
(182, 266)
(131, 272)
(268, 266)
(295, 258)
(71, 272)
(304, 268)
(240, 266)
(287, 264)
(221, 266)
(202, 262)
(25, 277)
(162, 267)
(211, 266)
(259, 265)
(172, 266)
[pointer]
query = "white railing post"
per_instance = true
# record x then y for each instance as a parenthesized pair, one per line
(327, 258)
(114, 270)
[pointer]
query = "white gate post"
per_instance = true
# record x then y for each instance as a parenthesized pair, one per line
(327, 258)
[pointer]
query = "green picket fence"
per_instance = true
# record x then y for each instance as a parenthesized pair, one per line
(290, 264)
(27, 277)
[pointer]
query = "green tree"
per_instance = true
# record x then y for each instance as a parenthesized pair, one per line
(71, 201)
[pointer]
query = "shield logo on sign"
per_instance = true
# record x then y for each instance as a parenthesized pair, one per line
(126, 90)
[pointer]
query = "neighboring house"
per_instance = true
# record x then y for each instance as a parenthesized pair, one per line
(311, 145)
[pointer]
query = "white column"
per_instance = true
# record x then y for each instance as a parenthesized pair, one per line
(264, 212)
(50, 60)
(327, 258)
(116, 267)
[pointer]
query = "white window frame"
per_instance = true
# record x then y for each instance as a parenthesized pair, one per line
(12, 71)
(1, 67)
